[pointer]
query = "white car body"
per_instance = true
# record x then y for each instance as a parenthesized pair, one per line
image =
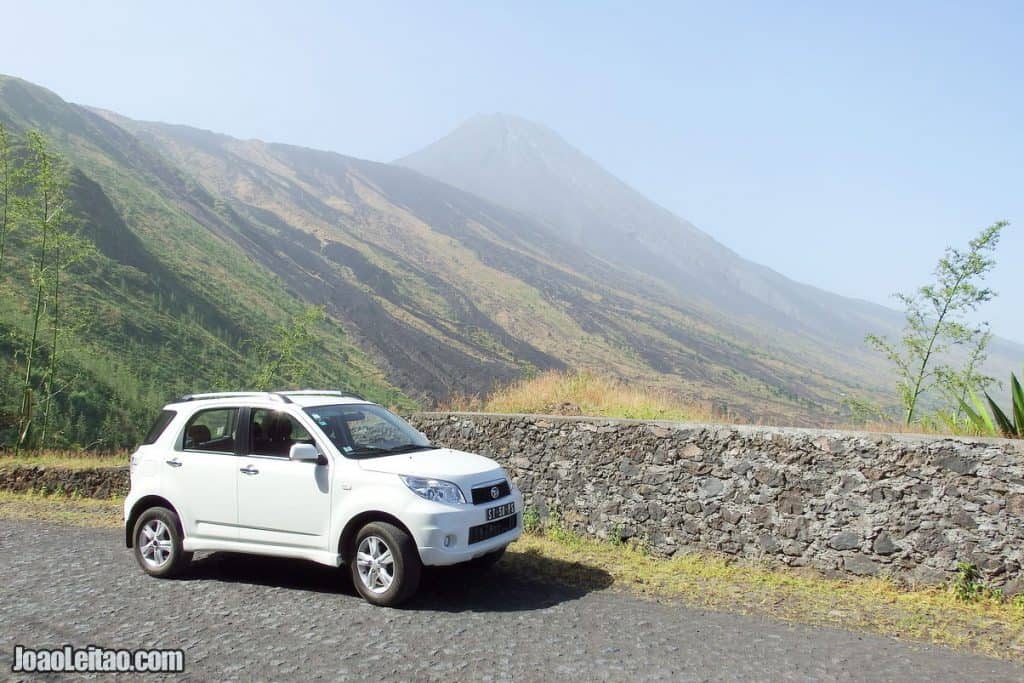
(300, 509)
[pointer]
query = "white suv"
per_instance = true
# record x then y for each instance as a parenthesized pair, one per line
(317, 475)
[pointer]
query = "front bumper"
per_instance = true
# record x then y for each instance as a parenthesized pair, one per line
(432, 527)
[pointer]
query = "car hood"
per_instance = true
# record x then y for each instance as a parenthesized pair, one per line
(440, 463)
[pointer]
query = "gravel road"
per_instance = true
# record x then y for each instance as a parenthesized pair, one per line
(242, 618)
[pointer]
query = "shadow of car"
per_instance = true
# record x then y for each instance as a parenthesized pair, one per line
(521, 581)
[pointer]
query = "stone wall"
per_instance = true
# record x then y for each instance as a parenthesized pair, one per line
(93, 482)
(846, 503)
(841, 502)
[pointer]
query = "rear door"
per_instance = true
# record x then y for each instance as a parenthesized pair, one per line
(281, 501)
(200, 475)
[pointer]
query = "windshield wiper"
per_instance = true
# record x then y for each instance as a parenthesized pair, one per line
(407, 448)
(369, 451)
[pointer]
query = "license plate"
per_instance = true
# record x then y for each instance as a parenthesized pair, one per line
(499, 511)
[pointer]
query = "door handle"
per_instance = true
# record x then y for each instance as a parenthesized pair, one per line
(249, 469)
(174, 462)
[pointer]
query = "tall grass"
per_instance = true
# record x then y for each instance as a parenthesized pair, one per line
(70, 459)
(582, 392)
(589, 393)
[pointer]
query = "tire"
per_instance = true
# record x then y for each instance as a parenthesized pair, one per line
(167, 558)
(487, 561)
(393, 581)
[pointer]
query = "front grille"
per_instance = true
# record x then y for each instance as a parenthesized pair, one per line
(492, 529)
(483, 494)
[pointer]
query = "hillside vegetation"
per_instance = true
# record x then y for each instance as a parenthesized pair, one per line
(452, 294)
(158, 305)
(583, 393)
(590, 393)
(205, 251)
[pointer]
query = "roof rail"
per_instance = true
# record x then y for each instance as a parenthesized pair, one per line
(321, 392)
(234, 394)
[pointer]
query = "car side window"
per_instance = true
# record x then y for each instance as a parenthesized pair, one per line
(212, 430)
(272, 432)
(165, 418)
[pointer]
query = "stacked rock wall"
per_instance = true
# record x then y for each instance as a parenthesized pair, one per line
(845, 502)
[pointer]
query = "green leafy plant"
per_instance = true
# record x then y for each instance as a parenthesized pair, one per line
(967, 586)
(993, 421)
(616, 538)
(937, 321)
(289, 353)
(531, 519)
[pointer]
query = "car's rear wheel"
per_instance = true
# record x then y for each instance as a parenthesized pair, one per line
(385, 564)
(487, 561)
(157, 543)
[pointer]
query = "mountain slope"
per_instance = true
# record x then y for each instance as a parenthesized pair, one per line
(165, 305)
(530, 168)
(527, 167)
(451, 293)
(207, 243)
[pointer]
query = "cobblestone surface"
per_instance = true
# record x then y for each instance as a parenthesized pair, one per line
(245, 618)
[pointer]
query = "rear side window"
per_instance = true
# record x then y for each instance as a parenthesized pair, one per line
(158, 427)
(212, 430)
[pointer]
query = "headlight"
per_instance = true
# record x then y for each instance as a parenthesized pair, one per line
(434, 489)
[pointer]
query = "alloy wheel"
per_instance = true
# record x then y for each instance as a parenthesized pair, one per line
(155, 544)
(375, 564)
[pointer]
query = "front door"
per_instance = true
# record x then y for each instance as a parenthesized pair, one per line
(202, 475)
(281, 501)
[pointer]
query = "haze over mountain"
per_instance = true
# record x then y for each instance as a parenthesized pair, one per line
(206, 242)
(528, 167)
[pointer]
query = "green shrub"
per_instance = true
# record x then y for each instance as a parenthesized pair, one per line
(994, 422)
(531, 519)
(967, 586)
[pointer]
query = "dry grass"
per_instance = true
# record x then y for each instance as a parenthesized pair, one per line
(883, 427)
(65, 459)
(990, 626)
(582, 393)
(88, 512)
(589, 393)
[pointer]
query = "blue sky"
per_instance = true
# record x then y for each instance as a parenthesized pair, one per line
(843, 144)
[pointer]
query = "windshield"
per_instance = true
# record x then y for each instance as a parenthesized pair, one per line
(366, 430)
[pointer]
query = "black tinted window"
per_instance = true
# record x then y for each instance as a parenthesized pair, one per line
(159, 426)
(274, 433)
(212, 430)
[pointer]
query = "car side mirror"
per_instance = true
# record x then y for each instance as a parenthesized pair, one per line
(424, 436)
(306, 452)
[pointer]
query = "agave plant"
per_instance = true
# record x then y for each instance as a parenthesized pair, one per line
(994, 421)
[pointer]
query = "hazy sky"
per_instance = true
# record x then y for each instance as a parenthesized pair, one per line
(843, 144)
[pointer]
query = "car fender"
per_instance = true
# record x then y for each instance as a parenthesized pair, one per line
(387, 499)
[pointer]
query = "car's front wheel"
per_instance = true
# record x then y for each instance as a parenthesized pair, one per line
(157, 543)
(385, 565)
